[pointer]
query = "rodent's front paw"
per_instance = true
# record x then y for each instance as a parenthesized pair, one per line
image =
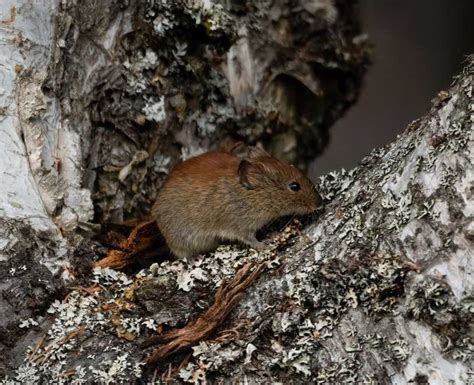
(260, 245)
(255, 244)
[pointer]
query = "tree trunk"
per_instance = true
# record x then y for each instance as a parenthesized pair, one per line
(100, 100)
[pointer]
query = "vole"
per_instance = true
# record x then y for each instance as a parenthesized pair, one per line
(219, 196)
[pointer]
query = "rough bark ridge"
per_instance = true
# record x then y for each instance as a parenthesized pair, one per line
(378, 290)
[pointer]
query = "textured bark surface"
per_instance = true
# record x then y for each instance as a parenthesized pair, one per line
(100, 100)
(378, 290)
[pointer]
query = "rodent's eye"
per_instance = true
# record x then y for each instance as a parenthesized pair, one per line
(294, 186)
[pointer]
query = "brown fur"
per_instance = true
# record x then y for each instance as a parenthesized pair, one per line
(215, 197)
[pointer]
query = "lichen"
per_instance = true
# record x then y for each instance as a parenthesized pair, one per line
(155, 110)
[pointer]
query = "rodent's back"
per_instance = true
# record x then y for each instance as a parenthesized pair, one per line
(202, 171)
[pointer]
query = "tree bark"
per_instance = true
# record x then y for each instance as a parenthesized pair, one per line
(100, 100)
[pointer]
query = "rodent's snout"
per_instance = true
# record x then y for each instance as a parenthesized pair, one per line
(315, 201)
(318, 199)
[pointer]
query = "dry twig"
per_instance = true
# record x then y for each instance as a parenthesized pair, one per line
(144, 238)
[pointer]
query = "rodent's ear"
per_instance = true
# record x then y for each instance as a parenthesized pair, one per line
(244, 166)
(257, 152)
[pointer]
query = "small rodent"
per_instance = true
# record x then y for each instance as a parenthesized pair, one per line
(218, 196)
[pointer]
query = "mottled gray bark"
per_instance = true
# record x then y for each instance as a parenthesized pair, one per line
(378, 290)
(100, 100)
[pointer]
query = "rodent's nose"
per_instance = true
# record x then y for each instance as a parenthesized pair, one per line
(318, 199)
